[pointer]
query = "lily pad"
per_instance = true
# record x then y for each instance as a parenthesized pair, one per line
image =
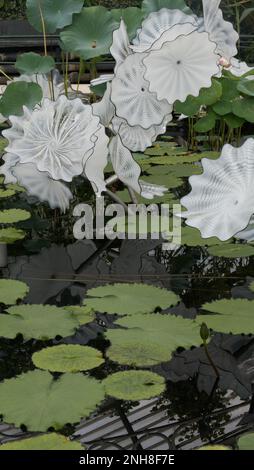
(192, 237)
(128, 299)
(38, 401)
(68, 358)
(37, 321)
(232, 316)
(91, 33)
(232, 250)
(215, 447)
(51, 441)
(163, 150)
(176, 159)
(17, 95)
(4, 193)
(83, 314)
(11, 235)
(169, 181)
(31, 63)
(11, 216)
(246, 442)
(134, 385)
(11, 291)
(184, 171)
(56, 14)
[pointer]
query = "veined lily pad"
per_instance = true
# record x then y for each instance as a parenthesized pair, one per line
(134, 385)
(169, 181)
(10, 216)
(37, 321)
(56, 14)
(68, 358)
(11, 291)
(91, 33)
(31, 63)
(83, 314)
(11, 235)
(50, 441)
(38, 401)
(232, 316)
(165, 150)
(176, 159)
(17, 95)
(129, 298)
(246, 442)
(232, 250)
(185, 170)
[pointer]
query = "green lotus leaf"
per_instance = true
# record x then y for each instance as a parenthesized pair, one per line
(189, 107)
(223, 107)
(82, 314)
(192, 237)
(229, 89)
(11, 235)
(128, 299)
(246, 87)
(134, 385)
(132, 17)
(215, 447)
(17, 95)
(206, 123)
(51, 441)
(10, 216)
(154, 5)
(11, 291)
(209, 96)
(233, 122)
(246, 442)
(232, 316)
(244, 108)
(129, 348)
(6, 193)
(68, 358)
(31, 63)
(37, 321)
(232, 250)
(38, 401)
(56, 14)
(91, 33)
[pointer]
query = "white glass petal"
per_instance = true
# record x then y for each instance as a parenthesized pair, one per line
(132, 98)
(45, 82)
(222, 198)
(220, 31)
(105, 109)
(95, 165)
(127, 170)
(102, 79)
(159, 22)
(149, 190)
(182, 67)
(136, 138)
(120, 48)
(10, 161)
(39, 184)
(57, 137)
(239, 68)
(248, 233)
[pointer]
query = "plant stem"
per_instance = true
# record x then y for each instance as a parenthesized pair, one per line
(43, 29)
(5, 74)
(210, 360)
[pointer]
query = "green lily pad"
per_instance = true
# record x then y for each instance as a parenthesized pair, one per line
(31, 63)
(10, 216)
(68, 358)
(132, 17)
(169, 181)
(128, 299)
(192, 237)
(215, 447)
(154, 5)
(244, 108)
(50, 441)
(38, 401)
(186, 170)
(82, 314)
(91, 33)
(246, 87)
(56, 13)
(134, 385)
(167, 198)
(232, 250)
(233, 316)
(17, 95)
(176, 159)
(11, 235)
(246, 442)
(37, 321)
(4, 193)
(11, 291)
(164, 150)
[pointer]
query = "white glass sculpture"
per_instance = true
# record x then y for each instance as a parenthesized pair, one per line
(96, 163)
(120, 48)
(52, 85)
(222, 198)
(248, 233)
(182, 67)
(126, 168)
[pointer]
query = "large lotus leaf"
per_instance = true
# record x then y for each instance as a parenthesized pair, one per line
(11, 216)
(134, 385)
(223, 107)
(91, 33)
(68, 358)
(244, 108)
(232, 316)
(206, 123)
(192, 237)
(189, 107)
(246, 442)
(56, 13)
(11, 291)
(37, 321)
(132, 349)
(246, 87)
(209, 96)
(154, 5)
(129, 298)
(132, 17)
(11, 235)
(233, 122)
(51, 441)
(83, 314)
(232, 250)
(229, 89)
(38, 401)
(17, 95)
(31, 63)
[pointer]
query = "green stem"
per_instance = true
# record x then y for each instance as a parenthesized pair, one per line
(210, 360)
(5, 74)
